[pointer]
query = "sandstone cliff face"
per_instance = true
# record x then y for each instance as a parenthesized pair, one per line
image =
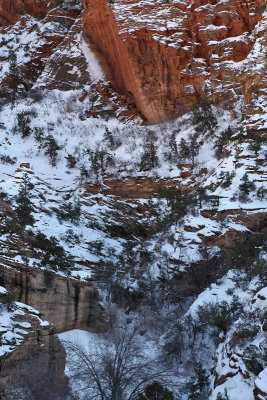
(167, 56)
(11, 10)
(27, 342)
(67, 303)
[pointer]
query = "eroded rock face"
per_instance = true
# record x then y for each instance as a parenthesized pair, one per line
(30, 348)
(67, 303)
(165, 56)
(11, 10)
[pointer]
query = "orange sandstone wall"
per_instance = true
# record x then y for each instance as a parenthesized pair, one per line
(11, 10)
(166, 67)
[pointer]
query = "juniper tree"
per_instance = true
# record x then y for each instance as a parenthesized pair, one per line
(203, 119)
(25, 207)
(24, 124)
(13, 74)
(189, 150)
(245, 188)
(51, 148)
(149, 157)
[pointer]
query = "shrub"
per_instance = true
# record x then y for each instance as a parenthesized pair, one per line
(24, 124)
(6, 159)
(71, 161)
(51, 253)
(243, 332)
(254, 359)
(245, 188)
(155, 391)
(223, 141)
(51, 148)
(69, 211)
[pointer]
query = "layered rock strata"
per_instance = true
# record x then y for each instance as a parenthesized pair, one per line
(166, 56)
(67, 303)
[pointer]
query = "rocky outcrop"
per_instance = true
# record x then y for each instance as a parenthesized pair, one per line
(29, 346)
(11, 10)
(67, 303)
(166, 56)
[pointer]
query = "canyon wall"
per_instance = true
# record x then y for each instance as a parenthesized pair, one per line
(165, 56)
(67, 303)
(11, 10)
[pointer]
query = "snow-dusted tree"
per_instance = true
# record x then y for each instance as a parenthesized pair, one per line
(115, 368)
(51, 148)
(24, 207)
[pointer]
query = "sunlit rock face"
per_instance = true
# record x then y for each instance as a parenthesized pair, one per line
(164, 56)
(11, 10)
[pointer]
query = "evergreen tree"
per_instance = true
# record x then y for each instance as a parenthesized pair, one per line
(245, 188)
(222, 141)
(155, 391)
(13, 74)
(24, 207)
(189, 150)
(71, 161)
(24, 124)
(149, 158)
(51, 148)
(203, 119)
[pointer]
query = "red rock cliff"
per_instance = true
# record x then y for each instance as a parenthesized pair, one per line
(168, 55)
(11, 10)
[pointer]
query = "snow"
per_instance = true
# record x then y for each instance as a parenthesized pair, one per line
(261, 381)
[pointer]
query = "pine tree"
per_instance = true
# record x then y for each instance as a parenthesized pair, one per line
(203, 119)
(245, 188)
(149, 158)
(24, 124)
(25, 207)
(51, 148)
(13, 74)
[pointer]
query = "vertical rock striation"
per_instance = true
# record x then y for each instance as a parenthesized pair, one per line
(166, 56)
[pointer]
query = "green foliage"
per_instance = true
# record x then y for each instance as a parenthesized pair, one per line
(24, 207)
(244, 331)
(51, 148)
(100, 159)
(228, 179)
(255, 358)
(50, 252)
(203, 119)
(197, 387)
(222, 141)
(261, 193)
(149, 157)
(71, 161)
(173, 147)
(6, 159)
(24, 124)
(220, 315)
(178, 203)
(255, 146)
(189, 150)
(155, 391)
(13, 74)
(39, 134)
(245, 188)
(69, 212)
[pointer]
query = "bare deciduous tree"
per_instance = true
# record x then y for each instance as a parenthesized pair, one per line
(115, 369)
